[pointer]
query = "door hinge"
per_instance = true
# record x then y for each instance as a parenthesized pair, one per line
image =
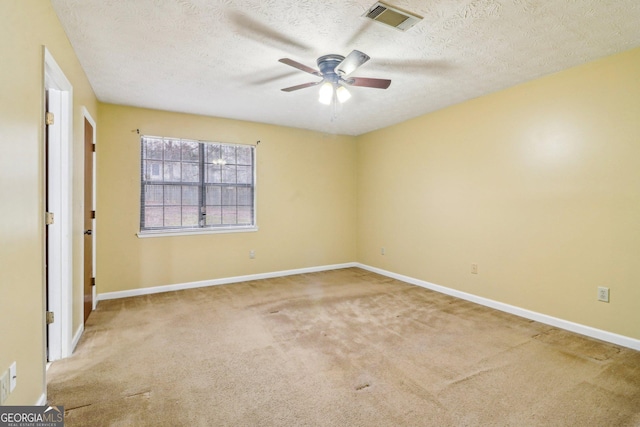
(93, 214)
(93, 147)
(48, 118)
(93, 281)
(48, 218)
(49, 317)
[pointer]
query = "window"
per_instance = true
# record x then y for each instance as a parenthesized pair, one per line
(195, 186)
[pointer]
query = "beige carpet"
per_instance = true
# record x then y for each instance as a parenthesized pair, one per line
(338, 348)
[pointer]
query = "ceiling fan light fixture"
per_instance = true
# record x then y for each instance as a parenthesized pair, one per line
(343, 94)
(326, 93)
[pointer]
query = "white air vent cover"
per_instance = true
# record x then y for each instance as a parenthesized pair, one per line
(392, 16)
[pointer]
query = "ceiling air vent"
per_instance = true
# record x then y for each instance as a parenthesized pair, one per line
(392, 16)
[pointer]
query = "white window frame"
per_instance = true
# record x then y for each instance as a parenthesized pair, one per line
(202, 227)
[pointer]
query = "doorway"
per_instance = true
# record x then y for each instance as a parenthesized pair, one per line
(89, 214)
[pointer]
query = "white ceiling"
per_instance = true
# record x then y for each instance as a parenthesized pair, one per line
(220, 57)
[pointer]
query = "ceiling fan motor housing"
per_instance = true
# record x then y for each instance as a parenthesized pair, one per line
(327, 65)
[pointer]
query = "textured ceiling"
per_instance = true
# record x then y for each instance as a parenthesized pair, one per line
(220, 57)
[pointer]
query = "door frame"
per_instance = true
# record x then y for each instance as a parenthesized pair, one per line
(86, 115)
(59, 176)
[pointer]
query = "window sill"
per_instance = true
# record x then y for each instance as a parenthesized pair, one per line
(172, 233)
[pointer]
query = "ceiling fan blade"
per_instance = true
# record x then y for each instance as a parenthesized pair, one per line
(269, 79)
(263, 34)
(412, 65)
(302, 86)
(351, 62)
(300, 66)
(368, 82)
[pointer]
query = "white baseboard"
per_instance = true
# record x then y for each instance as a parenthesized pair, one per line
(527, 314)
(76, 338)
(216, 282)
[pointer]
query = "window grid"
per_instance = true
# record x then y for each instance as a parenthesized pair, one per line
(194, 185)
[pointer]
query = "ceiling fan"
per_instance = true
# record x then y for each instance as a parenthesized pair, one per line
(335, 71)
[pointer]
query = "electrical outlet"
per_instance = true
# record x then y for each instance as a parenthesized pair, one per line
(4, 387)
(474, 268)
(603, 294)
(252, 254)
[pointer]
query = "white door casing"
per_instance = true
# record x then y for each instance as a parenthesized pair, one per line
(59, 199)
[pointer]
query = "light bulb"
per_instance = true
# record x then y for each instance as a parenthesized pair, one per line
(343, 94)
(326, 93)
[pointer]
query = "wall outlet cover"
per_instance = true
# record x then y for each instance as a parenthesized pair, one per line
(603, 294)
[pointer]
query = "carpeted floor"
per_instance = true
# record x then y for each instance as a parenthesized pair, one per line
(338, 348)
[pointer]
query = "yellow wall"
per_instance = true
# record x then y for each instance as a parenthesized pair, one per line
(25, 27)
(538, 184)
(306, 200)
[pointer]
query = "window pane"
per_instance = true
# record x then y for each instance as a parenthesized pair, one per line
(214, 174)
(214, 215)
(172, 195)
(152, 170)
(244, 196)
(213, 153)
(244, 174)
(214, 195)
(152, 149)
(153, 195)
(229, 215)
(153, 217)
(229, 174)
(244, 155)
(190, 216)
(172, 171)
(190, 151)
(172, 149)
(229, 196)
(190, 195)
(229, 154)
(172, 216)
(190, 172)
(245, 214)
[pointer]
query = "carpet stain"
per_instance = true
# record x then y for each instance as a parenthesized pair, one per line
(471, 376)
(577, 345)
(145, 394)
(69, 410)
(362, 387)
